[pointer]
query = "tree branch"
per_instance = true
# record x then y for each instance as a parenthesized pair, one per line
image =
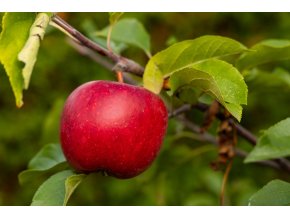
(211, 139)
(98, 59)
(280, 163)
(122, 64)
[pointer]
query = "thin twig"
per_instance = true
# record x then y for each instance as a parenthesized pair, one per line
(195, 128)
(244, 132)
(225, 179)
(180, 110)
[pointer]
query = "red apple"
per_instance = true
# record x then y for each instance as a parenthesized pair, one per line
(112, 127)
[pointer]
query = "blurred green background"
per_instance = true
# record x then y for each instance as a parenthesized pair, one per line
(181, 175)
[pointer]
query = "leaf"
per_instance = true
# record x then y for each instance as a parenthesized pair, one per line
(49, 157)
(90, 30)
(264, 52)
(278, 78)
(188, 94)
(129, 31)
(114, 17)
(30, 175)
(15, 31)
(28, 54)
(274, 143)
(216, 78)
(275, 193)
(186, 53)
(52, 192)
(71, 183)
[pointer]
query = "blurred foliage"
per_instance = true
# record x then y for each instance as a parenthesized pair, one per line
(181, 175)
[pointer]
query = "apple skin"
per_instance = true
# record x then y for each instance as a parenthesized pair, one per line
(112, 127)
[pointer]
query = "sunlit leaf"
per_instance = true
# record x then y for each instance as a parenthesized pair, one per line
(274, 143)
(28, 54)
(216, 78)
(129, 31)
(275, 193)
(71, 183)
(15, 31)
(186, 53)
(264, 52)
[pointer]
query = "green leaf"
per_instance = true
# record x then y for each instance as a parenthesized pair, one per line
(216, 78)
(274, 143)
(278, 78)
(90, 30)
(49, 158)
(114, 17)
(1, 16)
(71, 183)
(129, 31)
(30, 175)
(186, 53)
(28, 54)
(264, 52)
(275, 193)
(188, 94)
(15, 31)
(52, 192)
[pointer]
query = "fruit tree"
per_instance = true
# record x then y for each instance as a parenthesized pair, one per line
(136, 109)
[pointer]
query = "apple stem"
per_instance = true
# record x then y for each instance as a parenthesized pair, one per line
(120, 77)
(166, 84)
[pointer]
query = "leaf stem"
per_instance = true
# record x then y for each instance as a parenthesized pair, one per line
(109, 38)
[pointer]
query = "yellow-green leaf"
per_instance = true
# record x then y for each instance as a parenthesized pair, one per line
(217, 78)
(28, 54)
(71, 183)
(15, 31)
(186, 53)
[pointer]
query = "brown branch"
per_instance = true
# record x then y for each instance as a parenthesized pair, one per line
(280, 163)
(206, 137)
(98, 59)
(240, 129)
(122, 64)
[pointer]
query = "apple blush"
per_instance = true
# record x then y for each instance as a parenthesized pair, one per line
(112, 127)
